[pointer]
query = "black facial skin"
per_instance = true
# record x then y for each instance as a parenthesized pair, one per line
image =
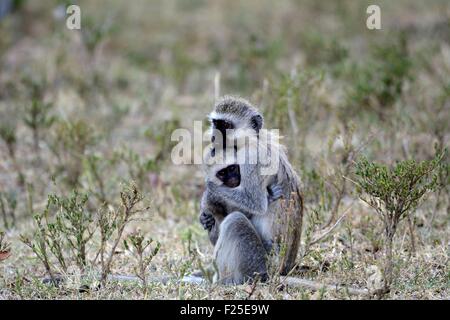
(213, 151)
(222, 126)
(230, 176)
(256, 123)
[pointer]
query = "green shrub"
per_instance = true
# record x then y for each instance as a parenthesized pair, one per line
(394, 193)
(66, 232)
(144, 250)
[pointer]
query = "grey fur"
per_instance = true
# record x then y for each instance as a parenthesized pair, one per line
(238, 108)
(239, 252)
(255, 199)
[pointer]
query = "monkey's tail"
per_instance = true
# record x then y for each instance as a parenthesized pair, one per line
(294, 215)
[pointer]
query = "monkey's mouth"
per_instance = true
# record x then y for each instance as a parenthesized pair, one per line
(233, 183)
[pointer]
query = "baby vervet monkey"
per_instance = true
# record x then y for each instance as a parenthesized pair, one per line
(270, 220)
(238, 176)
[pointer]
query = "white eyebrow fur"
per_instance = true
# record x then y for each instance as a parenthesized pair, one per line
(221, 116)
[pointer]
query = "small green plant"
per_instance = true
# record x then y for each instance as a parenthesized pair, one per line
(94, 164)
(37, 117)
(73, 221)
(9, 137)
(40, 242)
(395, 193)
(71, 141)
(112, 229)
(66, 232)
(63, 235)
(37, 113)
(144, 250)
(8, 206)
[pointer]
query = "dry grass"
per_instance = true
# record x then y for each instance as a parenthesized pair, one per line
(117, 97)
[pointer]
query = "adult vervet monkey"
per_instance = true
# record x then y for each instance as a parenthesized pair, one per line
(231, 118)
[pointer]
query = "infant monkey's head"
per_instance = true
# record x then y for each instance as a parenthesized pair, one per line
(230, 176)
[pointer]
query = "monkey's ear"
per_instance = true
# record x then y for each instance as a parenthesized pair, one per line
(257, 122)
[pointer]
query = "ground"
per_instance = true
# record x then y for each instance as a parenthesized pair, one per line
(93, 110)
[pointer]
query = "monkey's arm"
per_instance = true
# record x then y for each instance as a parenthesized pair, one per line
(211, 213)
(210, 225)
(250, 199)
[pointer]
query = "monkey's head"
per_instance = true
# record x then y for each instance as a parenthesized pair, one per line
(233, 117)
(230, 176)
(222, 169)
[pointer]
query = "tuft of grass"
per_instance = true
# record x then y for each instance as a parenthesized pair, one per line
(4, 247)
(155, 70)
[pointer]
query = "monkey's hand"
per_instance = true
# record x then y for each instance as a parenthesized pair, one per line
(207, 220)
(274, 192)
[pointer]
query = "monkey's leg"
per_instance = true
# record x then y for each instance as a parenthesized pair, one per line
(239, 252)
(250, 198)
(263, 226)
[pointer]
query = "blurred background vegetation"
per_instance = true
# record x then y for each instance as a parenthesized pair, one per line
(93, 109)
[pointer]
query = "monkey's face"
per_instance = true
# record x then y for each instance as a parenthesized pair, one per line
(221, 125)
(226, 132)
(230, 176)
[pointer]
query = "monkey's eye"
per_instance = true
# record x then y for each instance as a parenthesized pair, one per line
(221, 173)
(228, 125)
(233, 168)
(222, 124)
